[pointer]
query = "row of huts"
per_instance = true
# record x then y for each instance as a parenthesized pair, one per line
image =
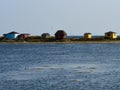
(108, 35)
(16, 35)
(60, 34)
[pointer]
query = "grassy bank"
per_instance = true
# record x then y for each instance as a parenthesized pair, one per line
(38, 39)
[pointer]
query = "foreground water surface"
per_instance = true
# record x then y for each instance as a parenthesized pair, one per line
(59, 67)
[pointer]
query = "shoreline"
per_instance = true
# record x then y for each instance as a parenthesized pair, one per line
(66, 42)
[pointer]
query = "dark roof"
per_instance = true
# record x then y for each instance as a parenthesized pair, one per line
(13, 32)
(45, 34)
(109, 32)
(25, 34)
(60, 32)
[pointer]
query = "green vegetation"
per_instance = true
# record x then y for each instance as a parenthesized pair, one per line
(52, 39)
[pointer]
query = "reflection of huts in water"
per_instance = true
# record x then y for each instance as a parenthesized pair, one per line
(110, 35)
(60, 34)
(87, 35)
(45, 35)
(11, 35)
(23, 36)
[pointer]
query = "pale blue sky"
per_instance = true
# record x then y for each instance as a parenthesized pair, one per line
(74, 16)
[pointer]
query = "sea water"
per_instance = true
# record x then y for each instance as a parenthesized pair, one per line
(59, 66)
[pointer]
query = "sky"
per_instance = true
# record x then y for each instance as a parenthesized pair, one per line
(76, 17)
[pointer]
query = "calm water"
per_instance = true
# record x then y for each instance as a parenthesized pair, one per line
(60, 67)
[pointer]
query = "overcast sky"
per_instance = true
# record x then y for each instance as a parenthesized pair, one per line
(74, 16)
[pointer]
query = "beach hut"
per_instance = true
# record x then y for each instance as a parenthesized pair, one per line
(111, 35)
(45, 35)
(11, 35)
(60, 34)
(23, 36)
(87, 35)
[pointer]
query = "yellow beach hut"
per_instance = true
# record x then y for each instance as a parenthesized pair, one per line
(110, 35)
(87, 35)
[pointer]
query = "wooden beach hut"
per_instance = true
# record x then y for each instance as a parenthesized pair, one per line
(45, 35)
(23, 36)
(87, 35)
(60, 34)
(11, 35)
(110, 35)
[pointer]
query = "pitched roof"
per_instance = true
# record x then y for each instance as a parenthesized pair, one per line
(25, 34)
(109, 32)
(59, 32)
(13, 32)
(45, 34)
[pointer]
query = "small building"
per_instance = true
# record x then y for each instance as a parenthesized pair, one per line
(45, 35)
(111, 35)
(87, 35)
(60, 34)
(11, 35)
(23, 36)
